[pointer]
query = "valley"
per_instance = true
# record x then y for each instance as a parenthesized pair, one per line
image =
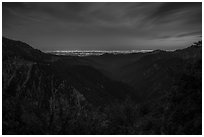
(133, 93)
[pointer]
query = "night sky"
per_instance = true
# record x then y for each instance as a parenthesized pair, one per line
(103, 26)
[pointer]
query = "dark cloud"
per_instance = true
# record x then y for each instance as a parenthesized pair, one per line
(103, 25)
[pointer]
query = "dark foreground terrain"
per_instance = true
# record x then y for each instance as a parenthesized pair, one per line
(157, 92)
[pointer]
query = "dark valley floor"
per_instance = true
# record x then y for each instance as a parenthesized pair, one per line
(158, 92)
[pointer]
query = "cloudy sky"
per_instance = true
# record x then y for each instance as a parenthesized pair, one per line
(103, 26)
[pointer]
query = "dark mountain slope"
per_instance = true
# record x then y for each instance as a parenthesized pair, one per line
(41, 91)
(14, 49)
(47, 94)
(22, 63)
(179, 109)
(149, 73)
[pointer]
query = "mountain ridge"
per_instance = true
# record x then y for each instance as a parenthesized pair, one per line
(131, 93)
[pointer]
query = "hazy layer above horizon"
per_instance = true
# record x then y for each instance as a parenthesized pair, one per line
(103, 26)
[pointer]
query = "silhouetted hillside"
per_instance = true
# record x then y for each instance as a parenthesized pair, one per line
(157, 92)
(149, 73)
(18, 49)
